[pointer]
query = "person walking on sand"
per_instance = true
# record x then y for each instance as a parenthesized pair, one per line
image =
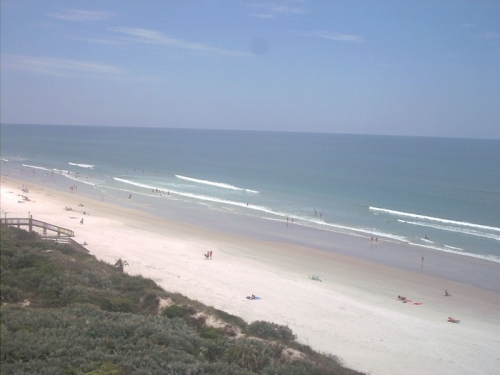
(210, 254)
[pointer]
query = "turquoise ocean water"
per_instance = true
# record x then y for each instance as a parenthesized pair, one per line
(435, 193)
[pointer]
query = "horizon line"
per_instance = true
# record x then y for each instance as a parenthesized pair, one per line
(256, 131)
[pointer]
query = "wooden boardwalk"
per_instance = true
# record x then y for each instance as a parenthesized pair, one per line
(63, 235)
(30, 222)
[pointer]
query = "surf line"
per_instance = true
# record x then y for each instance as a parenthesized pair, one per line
(430, 218)
(212, 183)
(82, 165)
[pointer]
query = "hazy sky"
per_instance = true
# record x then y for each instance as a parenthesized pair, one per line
(398, 67)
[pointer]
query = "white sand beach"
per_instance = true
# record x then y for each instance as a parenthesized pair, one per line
(353, 312)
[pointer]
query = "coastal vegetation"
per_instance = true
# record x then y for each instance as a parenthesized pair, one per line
(65, 312)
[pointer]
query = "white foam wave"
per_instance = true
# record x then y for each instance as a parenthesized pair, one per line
(90, 166)
(430, 218)
(74, 177)
(79, 179)
(317, 223)
(471, 232)
(36, 167)
(102, 187)
(134, 183)
(15, 158)
(453, 248)
(61, 171)
(208, 198)
(366, 232)
(212, 183)
(450, 249)
(58, 171)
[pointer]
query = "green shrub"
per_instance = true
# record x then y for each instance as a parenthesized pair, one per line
(21, 259)
(230, 319)
(66, 249)
(23, 235)
(117, 304)
(150, 302)
(271, 331)
(44, 272)
(250, 354)
(212, 350)
(94, 280)
(136, 283)
(211, 333)
(11, 294)
(108, 369)
(176, 311)
(104, 325)
(198, 321)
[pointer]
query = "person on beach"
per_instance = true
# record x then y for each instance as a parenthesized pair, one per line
(210, 254)
(81, 221)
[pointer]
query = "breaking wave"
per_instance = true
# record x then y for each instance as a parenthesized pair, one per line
(212, 183)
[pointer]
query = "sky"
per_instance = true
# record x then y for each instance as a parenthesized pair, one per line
(389, 67)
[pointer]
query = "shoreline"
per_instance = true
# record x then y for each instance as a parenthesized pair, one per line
(236, 218)
(353, 313)
(477, 271)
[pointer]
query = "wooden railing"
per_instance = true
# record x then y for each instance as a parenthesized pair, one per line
(63, 235)
(65, 240)
(30, 222)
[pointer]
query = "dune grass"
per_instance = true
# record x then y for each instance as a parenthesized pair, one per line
(65, 312)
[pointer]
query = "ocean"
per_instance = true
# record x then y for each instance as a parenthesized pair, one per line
(441, 194)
